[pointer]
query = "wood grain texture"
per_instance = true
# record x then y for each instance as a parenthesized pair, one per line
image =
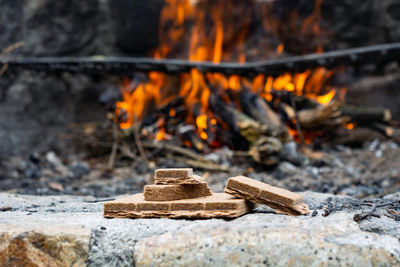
(283, 201)
(175, 192)
(218, 205)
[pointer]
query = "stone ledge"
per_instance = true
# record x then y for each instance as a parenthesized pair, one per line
(70, 231)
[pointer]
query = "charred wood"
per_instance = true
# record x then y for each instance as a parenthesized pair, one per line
(366, 115)
(385, 129)
(258, 109)
(265, 150)
(356, 137)
(237, 121)
(189, 134)
(322, 117)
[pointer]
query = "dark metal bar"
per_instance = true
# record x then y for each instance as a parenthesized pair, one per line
(126, 65)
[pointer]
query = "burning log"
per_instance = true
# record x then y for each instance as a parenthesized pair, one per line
(189, 134)
(257, 108)
(328, 116)
(366, 115)
(264, 148)
(237, 121)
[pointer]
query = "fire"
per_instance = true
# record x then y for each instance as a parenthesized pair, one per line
(185, 26)
(350, 126)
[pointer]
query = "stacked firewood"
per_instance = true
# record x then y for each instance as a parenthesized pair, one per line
(178, 193)
(259, 129)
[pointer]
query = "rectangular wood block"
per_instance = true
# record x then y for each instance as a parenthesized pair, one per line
(218, 205)
(192, 180)
(263, 190)
(283, 201)
(175, 192)
(174, 173)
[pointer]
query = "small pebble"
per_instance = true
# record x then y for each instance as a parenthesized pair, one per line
(325, 213)
(315, 212)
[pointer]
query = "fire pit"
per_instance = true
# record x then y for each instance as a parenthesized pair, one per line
(263, 88)
(281, 96)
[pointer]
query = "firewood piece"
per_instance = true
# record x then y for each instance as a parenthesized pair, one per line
(366, 115)
(356, 137)
(174, 173)
(322, 117)
(237, 121)
(176, 149)
(175, 192)
(265, 150)
(248, 128)
(194, 139)
(192, 180)
(218, 205)
(385, 129)
(288, 111)
(283, 201)
(258, 109)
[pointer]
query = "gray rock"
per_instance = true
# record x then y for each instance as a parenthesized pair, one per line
(383, 225)
(267, 239)
(395, 196)
(78, 169)
(52, 158)
(74, 231)
(317, 200)
(119, 237)
(287, 168)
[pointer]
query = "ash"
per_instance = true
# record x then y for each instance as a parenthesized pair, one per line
(372, 170)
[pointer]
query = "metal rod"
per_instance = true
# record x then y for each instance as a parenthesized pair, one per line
(125, 65)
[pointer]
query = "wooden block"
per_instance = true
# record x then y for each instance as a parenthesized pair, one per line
(218, 205)
(280, 199)
(174, 173)
(194, 179)
(175, 192)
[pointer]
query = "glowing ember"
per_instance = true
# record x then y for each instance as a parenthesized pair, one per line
(350, 126)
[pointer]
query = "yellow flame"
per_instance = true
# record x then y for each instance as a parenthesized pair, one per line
(327, 98)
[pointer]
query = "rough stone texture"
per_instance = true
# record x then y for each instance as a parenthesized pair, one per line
(57, 28)
(332, 241)
(46, 231)
(136, 20)
(119, 236)
(50, 246)
(56, 230)
(35, 108)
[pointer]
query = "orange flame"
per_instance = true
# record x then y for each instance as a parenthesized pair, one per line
(223, 41)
